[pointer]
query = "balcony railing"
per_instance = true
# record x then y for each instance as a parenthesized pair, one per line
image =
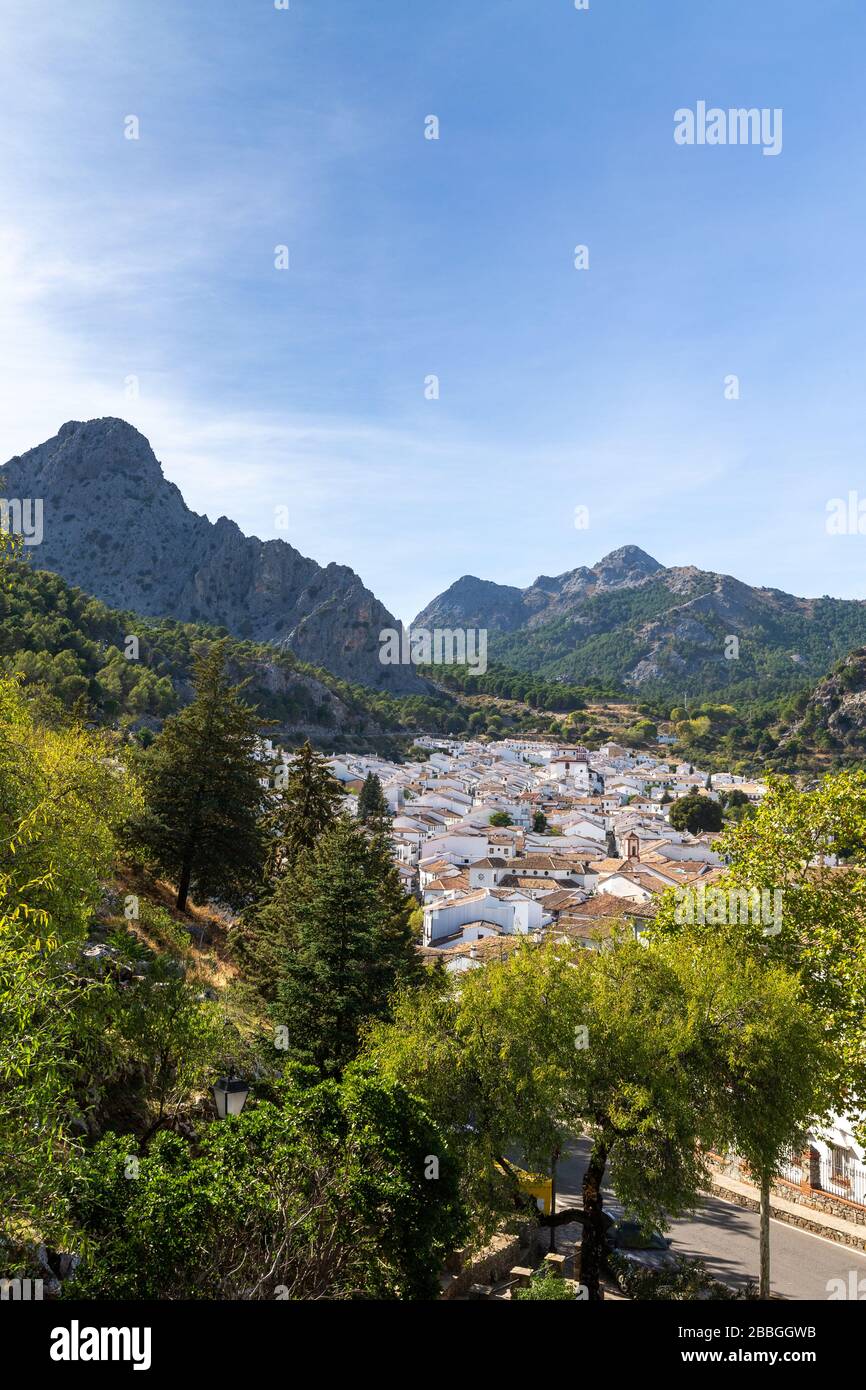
(849, 1183)
(792, 1171)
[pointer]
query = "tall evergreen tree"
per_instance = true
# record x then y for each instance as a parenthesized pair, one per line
(203, 791)
(345, 943)
(304, 804)
(373, 809)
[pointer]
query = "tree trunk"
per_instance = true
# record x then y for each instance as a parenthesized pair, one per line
(592, 1241)
(189, 850)
(553, 1162)
(183, 885)
(764, 1286)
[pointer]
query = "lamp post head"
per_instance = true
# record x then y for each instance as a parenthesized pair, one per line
(230, 1094)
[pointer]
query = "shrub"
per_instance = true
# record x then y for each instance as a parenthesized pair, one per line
(678, 1280)
(547, 1286)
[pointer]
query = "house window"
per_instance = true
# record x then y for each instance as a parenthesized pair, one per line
(841, 1164)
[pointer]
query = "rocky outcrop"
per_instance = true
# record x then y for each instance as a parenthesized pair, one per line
(834, 716)
(475, 603)
(116, 527)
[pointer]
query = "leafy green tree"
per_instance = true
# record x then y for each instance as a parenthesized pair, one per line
(736, 797)
(539, 823)
(642, 731)
(555, 1041)
(35, 1028)
(203, 791)
(416, 917)
(696, 813)
(372, 806)
(819, 931)
(63, 793)
(158, 1038)
(654, 1054)
(342, 943)
(493, 1083)
(500, 819)
(768, 1049)
(62, 796)
(782, 854)
(335, 1191)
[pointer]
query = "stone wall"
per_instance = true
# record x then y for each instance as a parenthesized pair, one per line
(491, 1264)
(803, 1195)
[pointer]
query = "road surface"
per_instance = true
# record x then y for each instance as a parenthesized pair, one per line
(725, 1237)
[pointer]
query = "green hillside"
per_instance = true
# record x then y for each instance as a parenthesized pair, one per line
(69, 646)
(783, 647)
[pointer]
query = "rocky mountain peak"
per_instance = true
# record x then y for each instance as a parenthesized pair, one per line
(83, 450)
(116, 527)
(627, 565)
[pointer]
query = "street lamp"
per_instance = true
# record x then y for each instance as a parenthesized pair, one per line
(230, 1094)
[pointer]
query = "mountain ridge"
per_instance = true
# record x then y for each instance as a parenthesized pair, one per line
(661, 630)
(115, 526)
(625, 567)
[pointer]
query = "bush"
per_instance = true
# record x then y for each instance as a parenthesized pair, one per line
(545, 1285)
(327, 1194)
(680, 1280)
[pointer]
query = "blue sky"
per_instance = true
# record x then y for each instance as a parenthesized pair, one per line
(559, 388)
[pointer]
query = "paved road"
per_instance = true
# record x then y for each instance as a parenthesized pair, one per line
(725, 1237)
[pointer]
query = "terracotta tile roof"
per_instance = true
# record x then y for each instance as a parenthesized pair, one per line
(608, 905)
(488, 948)
(454, 882)
(559, 899)
(551, 862)
(526, 881)
(475, 895)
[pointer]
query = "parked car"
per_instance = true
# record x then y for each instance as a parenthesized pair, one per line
(627, 1235)
(648, 1248)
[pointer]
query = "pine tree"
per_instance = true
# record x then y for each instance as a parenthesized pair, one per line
(345, 943)
(303, 806)
(373, 809)
(203, 791)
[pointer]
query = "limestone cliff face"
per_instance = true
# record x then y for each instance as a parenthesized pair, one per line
(116, 527)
